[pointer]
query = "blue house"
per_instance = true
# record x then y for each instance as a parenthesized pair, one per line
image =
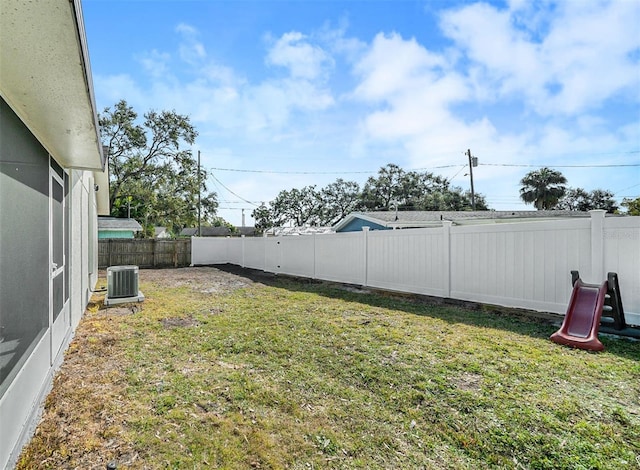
(114, 227)
(388, 220)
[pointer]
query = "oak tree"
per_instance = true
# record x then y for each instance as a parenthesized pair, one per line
(153, 174)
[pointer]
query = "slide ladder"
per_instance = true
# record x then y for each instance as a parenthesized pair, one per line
(612, 311)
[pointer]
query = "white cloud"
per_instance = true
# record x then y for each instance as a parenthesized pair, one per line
(217, 73)
(569, 61)
(217, 96)
(339, 43)
(112, 88)
(414, 89)
(156, 63)
(192, 51)
(394, 65)
(303, 59)
(550, 72)
(411, 103)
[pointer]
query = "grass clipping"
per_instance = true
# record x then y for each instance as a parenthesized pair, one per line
(216, 370)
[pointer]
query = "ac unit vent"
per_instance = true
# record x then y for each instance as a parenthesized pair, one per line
(122, 281)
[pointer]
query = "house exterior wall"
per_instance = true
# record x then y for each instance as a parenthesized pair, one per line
(356, 226)
(84, 242)
(29, 354)
(103, 234)
(24, 244)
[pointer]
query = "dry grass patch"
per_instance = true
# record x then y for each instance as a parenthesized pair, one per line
(220, 371)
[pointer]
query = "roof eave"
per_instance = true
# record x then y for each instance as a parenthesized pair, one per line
(51, 90)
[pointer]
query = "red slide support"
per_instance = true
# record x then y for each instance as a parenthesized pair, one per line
(582, 321)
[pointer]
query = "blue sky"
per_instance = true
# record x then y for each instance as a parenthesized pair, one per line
(287, 94)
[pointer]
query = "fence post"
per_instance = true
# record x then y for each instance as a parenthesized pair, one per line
(314, 255)
(264, 245)
(597, 245)
(242, 241)
(365, 234)
(446, 234)
(153, 252)
(109, 258)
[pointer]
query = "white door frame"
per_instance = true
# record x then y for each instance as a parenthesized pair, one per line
(59, 322)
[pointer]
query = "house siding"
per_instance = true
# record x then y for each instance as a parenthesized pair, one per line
(356, 225)
(28, 355)
(104, 234)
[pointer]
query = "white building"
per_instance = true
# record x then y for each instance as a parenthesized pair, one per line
(52, 187)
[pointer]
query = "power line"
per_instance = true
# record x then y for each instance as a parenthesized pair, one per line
(235, 208)
(236, 195)
(443, 155)
(274, 172)
(496, 199)
(370, 172)
(560, 166)
(628, 187)
(222, 201)
(462, 167)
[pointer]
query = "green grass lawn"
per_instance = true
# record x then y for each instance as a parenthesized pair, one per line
(307, 375)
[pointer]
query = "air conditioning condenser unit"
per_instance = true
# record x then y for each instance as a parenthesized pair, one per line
(122, 285)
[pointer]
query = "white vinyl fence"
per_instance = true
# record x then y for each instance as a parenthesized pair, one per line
(519, 264)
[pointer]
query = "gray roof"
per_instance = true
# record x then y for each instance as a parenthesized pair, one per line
(248, 231)
(206, 232)
(425, 216)
(115, 223)
(408, 219)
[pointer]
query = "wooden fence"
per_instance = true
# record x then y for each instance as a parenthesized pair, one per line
(145, 253)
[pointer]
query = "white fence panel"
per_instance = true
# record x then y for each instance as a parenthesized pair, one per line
(340, 257)
(209, 250)
(297, 255)
(622, 256)
(523, 265)
(407, 260)
(234, 250)
(273, 255)
(516, 264)
(254, 252)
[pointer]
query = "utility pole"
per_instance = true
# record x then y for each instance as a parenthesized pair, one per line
(473, 161)
(199, 200)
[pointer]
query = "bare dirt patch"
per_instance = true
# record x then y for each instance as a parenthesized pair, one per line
(205, 279)
(178, 322)
(468, 381)
(126, 310)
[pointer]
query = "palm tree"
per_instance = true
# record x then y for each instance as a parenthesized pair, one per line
(543, 188)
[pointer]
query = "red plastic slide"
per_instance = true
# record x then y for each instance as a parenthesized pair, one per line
(582, 321)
